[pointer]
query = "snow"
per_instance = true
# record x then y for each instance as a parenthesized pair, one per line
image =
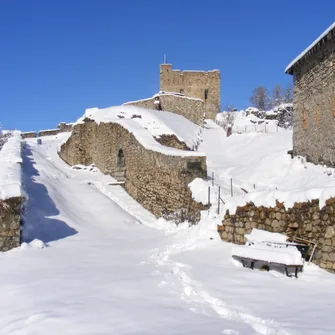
(145, 124)
(108, 266)
(259, 163)
(10, 167)
(268, 247)
(325, 33)
(198, 188)
(259, 235)
(288, 255)
(250, 123)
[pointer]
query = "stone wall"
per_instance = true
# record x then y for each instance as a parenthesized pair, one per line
(314, 104)
(304, 220)
(157, 181)
(29, 134)
(191, 109)
(193, 84)
(48, 132)
(10, 223)
(61, 128)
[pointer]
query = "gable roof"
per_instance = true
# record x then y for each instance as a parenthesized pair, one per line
(289, 68)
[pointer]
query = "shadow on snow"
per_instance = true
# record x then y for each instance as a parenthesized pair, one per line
(39, 207)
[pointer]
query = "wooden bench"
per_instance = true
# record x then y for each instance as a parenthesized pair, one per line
(270, 249)
(244, 260)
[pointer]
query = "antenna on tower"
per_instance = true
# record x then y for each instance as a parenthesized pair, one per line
(164, 58)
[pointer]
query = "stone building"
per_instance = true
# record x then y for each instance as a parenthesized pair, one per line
(155, 175)
(192, 94)
(314, 100)
(204, 85)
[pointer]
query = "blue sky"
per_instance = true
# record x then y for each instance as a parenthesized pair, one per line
(59, 57)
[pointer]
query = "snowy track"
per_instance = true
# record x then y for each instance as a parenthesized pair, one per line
(201, 301)
(105, 270)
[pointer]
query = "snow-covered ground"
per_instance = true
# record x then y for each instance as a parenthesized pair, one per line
(110, 267)
(259, 163)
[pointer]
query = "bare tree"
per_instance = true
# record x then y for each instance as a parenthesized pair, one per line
(227, 119)
(277, 96)
(260, 98)
(288, 94)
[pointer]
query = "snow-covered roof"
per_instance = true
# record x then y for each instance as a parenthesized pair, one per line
(145, 124)
(325, 33)
(10, 167)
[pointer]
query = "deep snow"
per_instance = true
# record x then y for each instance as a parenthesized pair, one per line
(110, 267)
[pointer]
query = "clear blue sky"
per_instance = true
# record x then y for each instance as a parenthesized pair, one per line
(59, 57)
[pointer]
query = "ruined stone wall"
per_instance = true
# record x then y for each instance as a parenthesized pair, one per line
(314, 104)
(48, 132)
(191, 109)
(157, 181)
(10, 218)
(304, 220)
(61, 128)
(193, 84)
(29, 134)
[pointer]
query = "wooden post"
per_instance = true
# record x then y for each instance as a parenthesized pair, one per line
(219, 200)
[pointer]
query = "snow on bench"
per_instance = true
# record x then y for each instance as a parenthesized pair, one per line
(269, 248)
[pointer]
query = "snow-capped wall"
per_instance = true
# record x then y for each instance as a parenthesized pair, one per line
(154, 175)
(10, 192)
(191, 109)
(304, 220)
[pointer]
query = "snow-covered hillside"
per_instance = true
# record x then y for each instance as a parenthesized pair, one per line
(259, 163)
(94, 261)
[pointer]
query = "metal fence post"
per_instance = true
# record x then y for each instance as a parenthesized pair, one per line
(209, 195)
(219, 200)
(213, 179)
(231, 187)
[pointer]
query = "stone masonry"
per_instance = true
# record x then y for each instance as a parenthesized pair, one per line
(61, 128)
(193, 84)
(191, 109)
(157, 181)
(314, 102)
(10, 219)
(304, 220)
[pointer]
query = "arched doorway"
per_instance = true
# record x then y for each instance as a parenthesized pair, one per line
(120, 172)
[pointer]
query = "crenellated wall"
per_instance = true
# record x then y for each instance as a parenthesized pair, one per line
(204, 85)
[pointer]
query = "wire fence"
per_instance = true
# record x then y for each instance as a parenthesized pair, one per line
(220, 190)
(258, 127)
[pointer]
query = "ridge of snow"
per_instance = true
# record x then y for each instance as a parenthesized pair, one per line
(311, 46)
(149, 124)
(10, 167)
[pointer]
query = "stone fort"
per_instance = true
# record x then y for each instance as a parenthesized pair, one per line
(192, 94)
(193, 84)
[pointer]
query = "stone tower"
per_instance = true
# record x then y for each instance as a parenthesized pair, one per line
(204, 85)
